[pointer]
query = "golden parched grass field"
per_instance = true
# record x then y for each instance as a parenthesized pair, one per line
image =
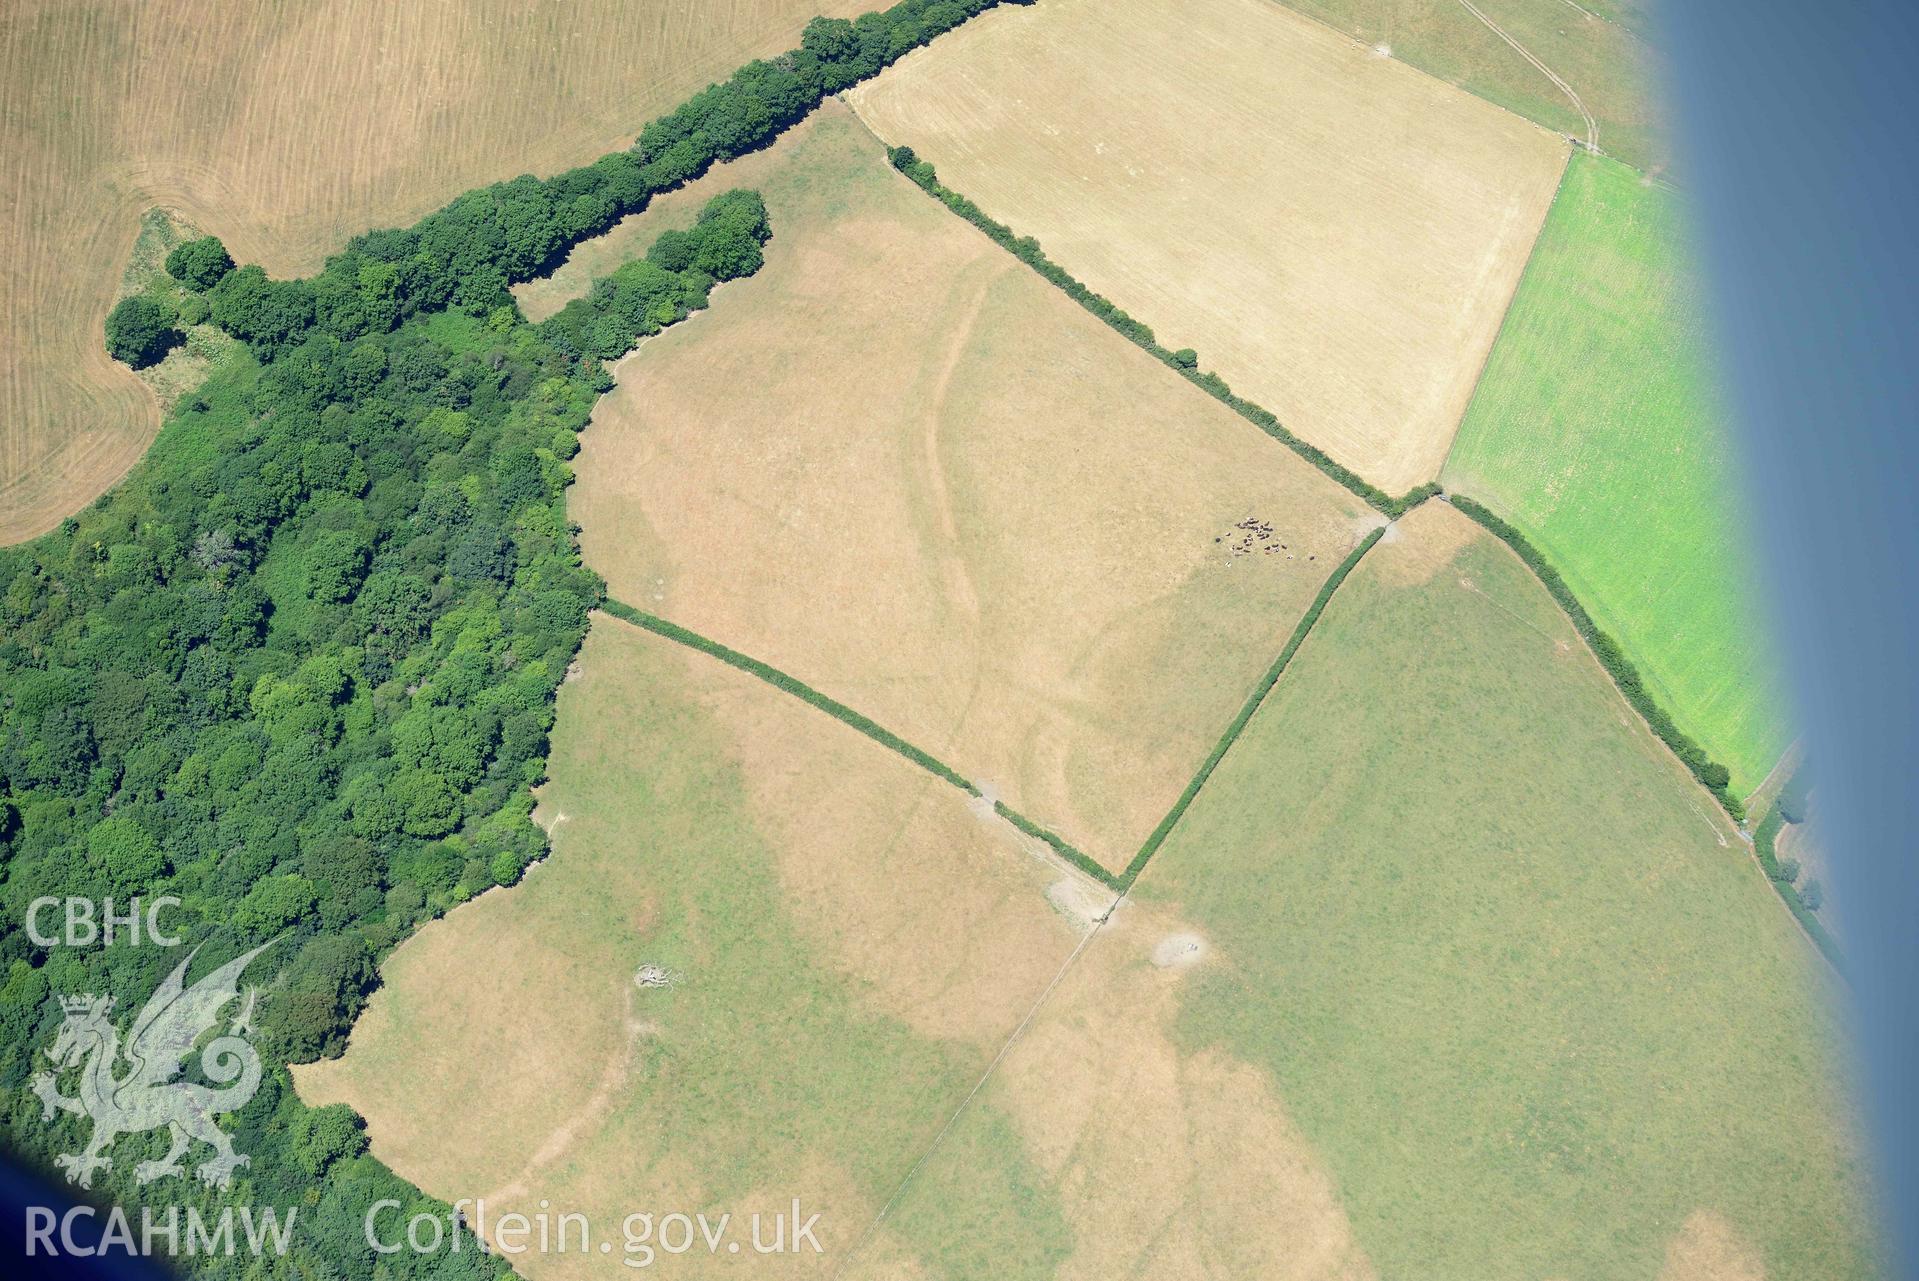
(1103, 1147)
(1336, 234)
(900, 467)
(849, 942)
(1604, 51)
(285, 127)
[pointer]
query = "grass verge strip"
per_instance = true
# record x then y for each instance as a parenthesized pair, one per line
(872, 729)
(1258, 696)
(1713, 776)
(1184, 362)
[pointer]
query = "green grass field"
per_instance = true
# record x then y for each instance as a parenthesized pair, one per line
(1528, 1006)
(1594, 430)
(1597, 52)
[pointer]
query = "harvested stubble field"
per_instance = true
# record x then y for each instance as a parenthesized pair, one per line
(284, 128)
(1336, 234)
(900, 467)
(1603, 51)
(847, 942)
(1517, 982)
(1595, 429)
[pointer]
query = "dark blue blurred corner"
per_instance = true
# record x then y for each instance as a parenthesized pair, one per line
(26, 1200)
(1795, 127)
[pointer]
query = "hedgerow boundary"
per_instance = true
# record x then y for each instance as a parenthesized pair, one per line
(1712, 776)
(402, 374)
(1253, 701)
(1123, 881)
(468, 253)
(864, 724)
(1120, 883)
(1184, 362)
(1690, 754)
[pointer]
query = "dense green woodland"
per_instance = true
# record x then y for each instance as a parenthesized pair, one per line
(299, 668)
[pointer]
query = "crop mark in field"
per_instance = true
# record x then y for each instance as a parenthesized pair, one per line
(1362, 325)
(860, 1241)
(1559, 645)
(1120, 884)
(954, 565)
(1630, 715)
(1630, 718)
(1264, 419)
(561, 1140)
(1706, 818)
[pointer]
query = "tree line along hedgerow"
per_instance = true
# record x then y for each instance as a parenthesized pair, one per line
(466, 254)
(1713, 776)
(1803, 901)
(1710, 773)
(1120, 882)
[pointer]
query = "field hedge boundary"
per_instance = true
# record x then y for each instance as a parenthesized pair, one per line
(1120, 883)
(1246, 711)
(864, 724)
(1765, 847)
(1184, 362)
(1713, 776)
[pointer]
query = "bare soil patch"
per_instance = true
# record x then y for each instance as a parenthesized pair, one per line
(1707, 1249)
(1179, 950)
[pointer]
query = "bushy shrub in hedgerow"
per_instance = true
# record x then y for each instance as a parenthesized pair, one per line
(1793, 797)
(140, 332)
(199, 264)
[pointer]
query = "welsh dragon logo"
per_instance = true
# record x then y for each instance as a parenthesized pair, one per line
(128, 1088)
